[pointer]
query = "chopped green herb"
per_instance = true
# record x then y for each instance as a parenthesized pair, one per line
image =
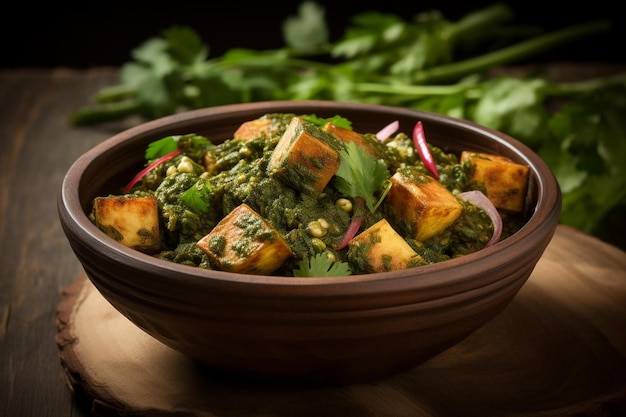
(360, 175)
(321, 266)
(193, 197)
(161, 147)
(320, 121)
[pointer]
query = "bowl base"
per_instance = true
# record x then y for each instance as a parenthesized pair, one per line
(121, 370)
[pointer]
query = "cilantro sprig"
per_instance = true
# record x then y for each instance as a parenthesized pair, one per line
(174, 72)
(190, 143)
(361, 175)
(427, 63)
(320, 265)
(336, 120)
(196, 197)
(161, 147)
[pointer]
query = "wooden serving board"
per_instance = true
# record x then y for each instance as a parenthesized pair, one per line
(559, 349)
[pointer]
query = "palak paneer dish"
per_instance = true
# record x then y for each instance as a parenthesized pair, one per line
(305, 196)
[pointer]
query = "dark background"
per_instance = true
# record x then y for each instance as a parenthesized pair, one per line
(94, 35)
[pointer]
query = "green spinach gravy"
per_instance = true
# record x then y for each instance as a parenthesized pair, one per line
(275, 168)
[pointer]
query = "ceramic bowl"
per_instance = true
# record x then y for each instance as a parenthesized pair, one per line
(332, 330)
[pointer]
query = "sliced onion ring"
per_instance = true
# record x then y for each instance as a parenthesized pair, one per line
(147, 169)
(419, 140)
(388, 130)
(480, 200)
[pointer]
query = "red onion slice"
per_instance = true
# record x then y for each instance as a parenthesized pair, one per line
(480, 200)
(354, 227)
(419, 140)
(147, 169)
(388, 130)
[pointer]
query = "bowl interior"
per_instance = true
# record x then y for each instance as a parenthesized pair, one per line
(358, 327)
(107, 167)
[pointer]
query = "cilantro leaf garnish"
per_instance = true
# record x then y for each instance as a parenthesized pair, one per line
(190, 144)
(193, 197)
(320, 266)
(161, 147)
(360, 175)
(320, 121)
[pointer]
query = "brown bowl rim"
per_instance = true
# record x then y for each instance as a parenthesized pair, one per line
(546, 211)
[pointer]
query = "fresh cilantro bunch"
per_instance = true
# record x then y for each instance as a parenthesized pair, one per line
(586, 151)
(578, 129)
(426, 62)
(379, 53)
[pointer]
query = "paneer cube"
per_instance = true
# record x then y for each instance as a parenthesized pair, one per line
(306, 157)
(253, 129)
(243, 242)
(383, 249)
(504, 181)
(373, 147)
(133, 221)
(421, 204)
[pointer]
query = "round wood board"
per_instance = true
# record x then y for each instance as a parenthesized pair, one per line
(559, 349)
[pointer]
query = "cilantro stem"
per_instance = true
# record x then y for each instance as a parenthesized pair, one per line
(285, 67)
(104, 112)
(466, 28)
(509, 54)
(116, 93)
(386, 189)
(552, 89)
(269, 60)
(583, 87)
(411, 90)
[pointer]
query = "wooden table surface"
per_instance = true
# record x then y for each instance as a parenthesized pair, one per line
(578, 292)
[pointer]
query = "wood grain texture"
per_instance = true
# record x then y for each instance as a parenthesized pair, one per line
(559, 349)
(38, 145)
(37, 264)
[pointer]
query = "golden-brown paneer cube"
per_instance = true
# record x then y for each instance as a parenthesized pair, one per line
(253, 129)
(384, 249)
(247, 131)
(423, 205)
(243, 242)
(374, 148)
(133, 221)
(306, 157)
(504, 181)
